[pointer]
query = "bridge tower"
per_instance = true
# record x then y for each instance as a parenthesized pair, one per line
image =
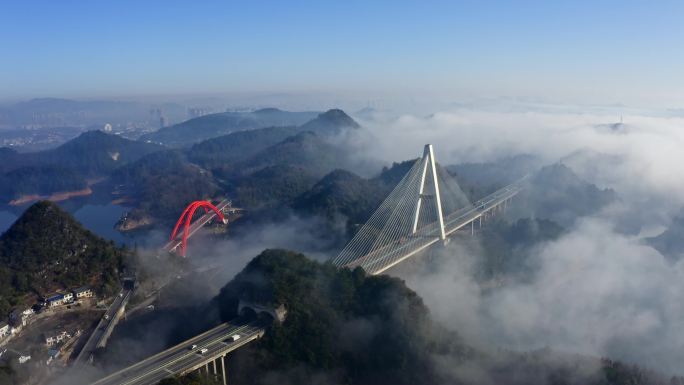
(430, 179)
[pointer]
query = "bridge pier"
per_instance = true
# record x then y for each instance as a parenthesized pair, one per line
(223, 370)
(215, 375)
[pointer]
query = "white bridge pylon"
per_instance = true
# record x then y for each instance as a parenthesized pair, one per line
(429, 161)
(414, 213)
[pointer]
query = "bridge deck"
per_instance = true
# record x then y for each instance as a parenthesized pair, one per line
(104, 328)
(182, 359)
(382, 259)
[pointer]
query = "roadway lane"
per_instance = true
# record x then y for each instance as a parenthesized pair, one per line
(96, 337)
(182, 359)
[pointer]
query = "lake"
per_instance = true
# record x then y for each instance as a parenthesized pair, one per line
(98, 218)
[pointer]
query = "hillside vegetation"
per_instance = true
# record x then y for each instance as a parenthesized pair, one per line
(345, 327)
(46, 249)
(371, 329)
(214, 125)
(257, 168)
(93, 154)
(162, 184)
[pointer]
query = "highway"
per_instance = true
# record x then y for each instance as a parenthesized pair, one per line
(182, 358)
(196, 225)
(384, 258)
(103, 330)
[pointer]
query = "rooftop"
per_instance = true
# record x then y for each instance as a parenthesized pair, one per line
(81, 289)
(55, 297)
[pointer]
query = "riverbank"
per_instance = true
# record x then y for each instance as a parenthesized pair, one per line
(54, 197)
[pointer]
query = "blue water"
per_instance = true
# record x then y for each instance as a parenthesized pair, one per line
(6, 220)
(99, 219)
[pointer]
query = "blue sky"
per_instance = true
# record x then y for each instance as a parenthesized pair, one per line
(602, 51)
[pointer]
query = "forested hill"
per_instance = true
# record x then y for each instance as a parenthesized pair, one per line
(369, 330)
(46, 249)
(92, 155)
(211, 126)
(257, 169)
(557, 193)
(95, 153)
(345, 327)
(331, 122)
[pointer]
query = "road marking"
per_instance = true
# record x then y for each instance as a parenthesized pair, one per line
(173, 349)
(164, 365)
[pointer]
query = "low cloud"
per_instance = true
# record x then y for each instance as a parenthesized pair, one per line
(641, 159)
(594, 292)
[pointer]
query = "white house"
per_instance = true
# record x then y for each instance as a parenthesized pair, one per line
(56, 338)
(4, 329)
(83, 292)
(55, 300)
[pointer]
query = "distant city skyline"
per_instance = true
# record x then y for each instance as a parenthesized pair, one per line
(578, 52)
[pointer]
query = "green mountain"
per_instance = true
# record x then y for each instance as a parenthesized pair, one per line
(272, 186)
(46, 249)
(213, 125)
(161, 185)
(558, 194)
(306, 150)
(331, 122)
(95, 153)
(227, 149)
(342, 193)
(280, 145)
(257, 168)
(66, 168)
(40, 180)
(370, 328)
(480, 179)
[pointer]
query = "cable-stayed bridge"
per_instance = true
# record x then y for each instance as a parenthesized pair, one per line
(423, 209)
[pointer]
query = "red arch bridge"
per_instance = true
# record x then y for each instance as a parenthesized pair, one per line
(185, 227)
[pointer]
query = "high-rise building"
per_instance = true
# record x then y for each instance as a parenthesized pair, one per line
(196, 112)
